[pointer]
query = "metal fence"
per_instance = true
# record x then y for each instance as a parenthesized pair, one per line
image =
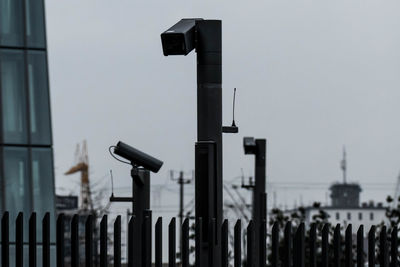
(318, 246)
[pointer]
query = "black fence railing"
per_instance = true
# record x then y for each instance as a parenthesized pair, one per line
(320, 245)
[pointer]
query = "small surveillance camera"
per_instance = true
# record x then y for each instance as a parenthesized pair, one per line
(180, 38)
(249, 145)
(137, 157)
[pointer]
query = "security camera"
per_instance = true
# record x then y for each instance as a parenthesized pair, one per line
(180, 38)
(137, 157)
(249, 145)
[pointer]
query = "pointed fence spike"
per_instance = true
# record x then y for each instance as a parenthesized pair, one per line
(337, 240)
(299, 247)
(75, 240)
(313, 246)
(117, 242)
(89, 241)
(224, 244)
(158, 245)
(360, 246)
(131, 237)
(263, 245)
(371, 246)
(348, 247)
(238, 244)
(325, 246)
(394, 248)
(383, 246)
(19, 240)
(172, 243)
(250, 244)
(46, 240)
(60, 228)
(287, 245)
(275, 245)
(5, 239)
(185, 243)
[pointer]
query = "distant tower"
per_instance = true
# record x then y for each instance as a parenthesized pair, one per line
(345, 195)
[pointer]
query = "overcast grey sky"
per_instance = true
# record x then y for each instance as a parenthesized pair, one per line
(311, 76)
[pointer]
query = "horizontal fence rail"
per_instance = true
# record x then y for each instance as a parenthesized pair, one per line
(286, 245)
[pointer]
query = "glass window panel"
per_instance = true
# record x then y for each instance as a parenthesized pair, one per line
(11, 23)
(35, 26)
(39, 98)
(13, 96)
(17, 186)
(43, 186)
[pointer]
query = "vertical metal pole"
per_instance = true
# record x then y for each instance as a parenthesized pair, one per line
(337, 240)
(32, 240)
(383, 246)
(46, 240)
(394, 247)
(75, 241)
(259, 208)
(209, 125)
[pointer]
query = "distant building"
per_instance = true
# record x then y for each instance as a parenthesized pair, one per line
(345, 206)
(26, 155)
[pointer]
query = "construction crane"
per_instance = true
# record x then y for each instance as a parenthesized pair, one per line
(81, 164)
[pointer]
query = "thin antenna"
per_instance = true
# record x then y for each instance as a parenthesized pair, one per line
(112, 183)
(233, 110)
(343, 165)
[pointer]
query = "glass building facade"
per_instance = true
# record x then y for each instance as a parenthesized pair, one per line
(26, 156)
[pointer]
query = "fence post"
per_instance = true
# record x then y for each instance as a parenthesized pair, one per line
(348, 258)
(158, 245)
(337, 240)
(224, 244)
(75, 241)
(117, 242)
(60, 240)
(46, 240)
(212, 230)
(287, 246)
(89, 241)
(5, 240)
(172, 243)
(384, 258)
(360, 246)
(250, 244)
(299, 247)
(19, 240)
(313, 247)
(325, 246)
(130, 241)
(103, 241)
(394, 246)
(275, 245)
(371, 246)
(146, 240)
(185, 243)
(238, 244)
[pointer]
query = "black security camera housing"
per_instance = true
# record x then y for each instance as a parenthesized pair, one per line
(249, 145)
(137, 157)
(180, 38)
